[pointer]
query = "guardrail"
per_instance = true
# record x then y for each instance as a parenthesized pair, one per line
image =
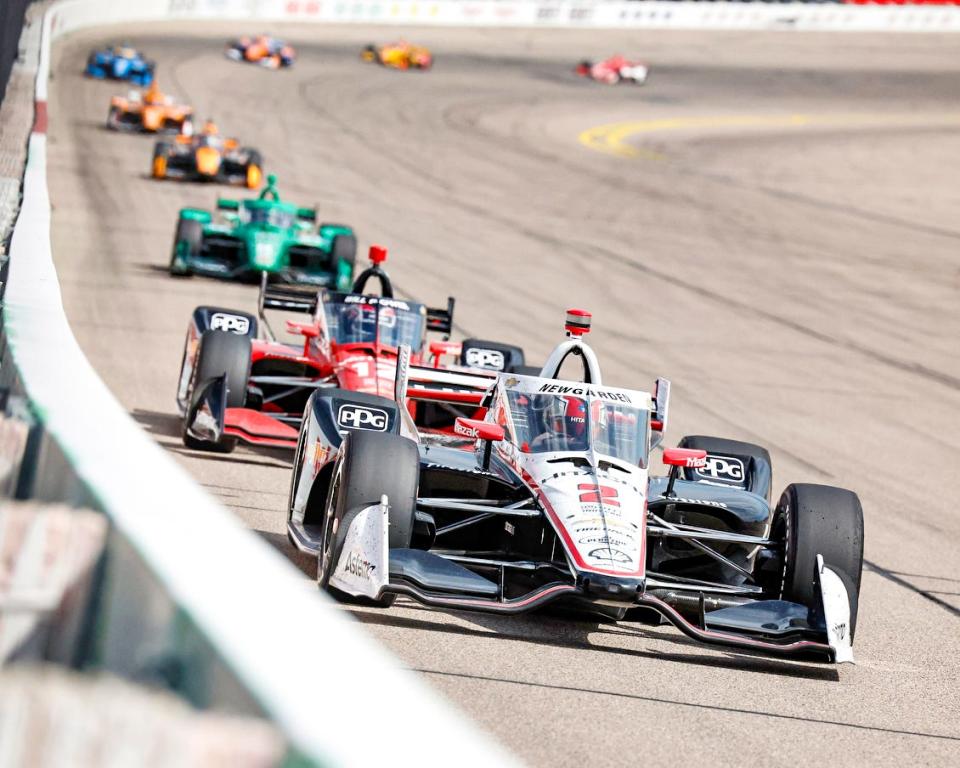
(186, 596)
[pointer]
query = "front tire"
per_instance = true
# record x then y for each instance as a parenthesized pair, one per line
(161, 155)
(191, 233)
(371, 464)
(821, 520)
(220, 354)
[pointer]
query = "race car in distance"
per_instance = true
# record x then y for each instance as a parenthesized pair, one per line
(263, 235)
(235, 385)
(263, 50)
(150, 111)
(616, 69)
(551, 500)
(400, 55)
(207, 157)
(120, 62)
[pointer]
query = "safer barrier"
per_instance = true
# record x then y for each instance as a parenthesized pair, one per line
(186, 596)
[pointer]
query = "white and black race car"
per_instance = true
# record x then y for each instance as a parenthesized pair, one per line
(549, 498)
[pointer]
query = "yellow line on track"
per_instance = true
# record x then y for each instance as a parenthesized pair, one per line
(612, 139)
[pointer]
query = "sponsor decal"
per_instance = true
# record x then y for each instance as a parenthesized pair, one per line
(512, 381)
(359, 566)
(840, 629)
(598, 494)
(724, 469)
(376, 301)
(362, 417)
(485, 358)
(562, 389)
(465, 431)
(221, 321)
(610, 555)
(610, 541)
(509, 528)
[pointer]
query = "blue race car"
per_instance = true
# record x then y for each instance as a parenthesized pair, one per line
(120, 62)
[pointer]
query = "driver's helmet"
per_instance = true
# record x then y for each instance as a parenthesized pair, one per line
(153, 94)
(210, 128)
(566, 417)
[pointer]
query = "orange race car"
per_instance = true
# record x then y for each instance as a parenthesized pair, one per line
(149, 110)
(402, 55)
(261, 49)
(207, 157)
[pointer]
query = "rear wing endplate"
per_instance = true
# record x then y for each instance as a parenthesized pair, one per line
(661, 407)
(285, 298)
(441, 320)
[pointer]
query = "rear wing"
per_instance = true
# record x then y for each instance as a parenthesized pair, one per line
(285, 298)
(441, 320)
(460, 387)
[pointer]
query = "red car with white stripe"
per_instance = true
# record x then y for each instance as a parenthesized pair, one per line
(239, 381)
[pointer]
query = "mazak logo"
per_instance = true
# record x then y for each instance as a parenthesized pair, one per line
(362, 417)
(485, 358)
(723, 469)
(238, 324)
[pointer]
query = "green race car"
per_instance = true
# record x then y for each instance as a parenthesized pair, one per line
(264, 234)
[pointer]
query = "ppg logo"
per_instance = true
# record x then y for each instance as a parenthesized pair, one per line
(220, 321)
(723, 469)
(362, 417)
(485, 358)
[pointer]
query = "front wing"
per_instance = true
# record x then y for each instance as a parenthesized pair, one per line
(773, 627)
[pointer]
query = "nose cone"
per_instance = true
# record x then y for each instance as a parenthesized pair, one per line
(208, 161)
(152, 118)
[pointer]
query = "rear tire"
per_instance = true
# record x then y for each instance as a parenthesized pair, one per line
(344, 248)
(190, 232)
(220, 353)
(473, 355)
(371, 464)
(254, 171)
(822, 520)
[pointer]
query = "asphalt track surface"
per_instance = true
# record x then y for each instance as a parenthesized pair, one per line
(772, 224)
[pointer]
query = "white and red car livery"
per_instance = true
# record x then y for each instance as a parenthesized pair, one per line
(546, 495)
(616, 69)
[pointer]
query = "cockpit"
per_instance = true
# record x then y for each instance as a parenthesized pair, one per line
(574, 417)
(267, 216)
(375, 320)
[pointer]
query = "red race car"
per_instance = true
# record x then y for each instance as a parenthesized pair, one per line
(616, 69)
(238, 385)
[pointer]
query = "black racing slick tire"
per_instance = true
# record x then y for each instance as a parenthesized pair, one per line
(493, 355)
(371, 464)
(190, 232)
(221, 354)
(344, 248)
(757, 463)
(814, 520)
